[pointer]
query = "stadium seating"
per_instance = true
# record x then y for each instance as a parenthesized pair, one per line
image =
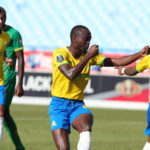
(117, 26)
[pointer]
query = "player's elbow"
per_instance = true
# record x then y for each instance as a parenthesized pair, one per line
(71, 78)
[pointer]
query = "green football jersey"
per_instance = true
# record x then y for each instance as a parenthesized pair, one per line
(15, 44)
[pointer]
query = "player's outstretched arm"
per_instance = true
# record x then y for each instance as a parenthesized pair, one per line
(130, 71)
(71, 73)
(125, 60)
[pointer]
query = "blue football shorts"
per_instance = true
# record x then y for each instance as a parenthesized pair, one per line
(63, 111)
(2, 95)
(147, 130)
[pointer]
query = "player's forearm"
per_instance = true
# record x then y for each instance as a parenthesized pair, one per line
(20, 70)
(125, 60)
(131, 71)
(72, 73)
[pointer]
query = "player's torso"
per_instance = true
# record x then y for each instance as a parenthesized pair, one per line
(64, 87)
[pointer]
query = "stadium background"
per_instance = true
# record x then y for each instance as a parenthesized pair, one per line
(118, 27)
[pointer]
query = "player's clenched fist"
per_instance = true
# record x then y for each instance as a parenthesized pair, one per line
(9, 62)
(94, 49)
(145, 51)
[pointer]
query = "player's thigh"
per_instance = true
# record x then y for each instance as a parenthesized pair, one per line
(82, 119)
(9, 91)
(2, 100)
(59, 117)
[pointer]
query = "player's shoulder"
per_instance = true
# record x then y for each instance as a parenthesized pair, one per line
(147, 57)
(11, 30)
(5, 35)
(61, 50)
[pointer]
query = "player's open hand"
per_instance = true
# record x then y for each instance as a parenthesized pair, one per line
(145, 51)
(9, 62)
(94, 49)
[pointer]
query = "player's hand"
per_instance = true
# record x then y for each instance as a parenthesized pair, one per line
(9, 62)
(119, 70)
(94, 49)
(145, 51)
(19, 91)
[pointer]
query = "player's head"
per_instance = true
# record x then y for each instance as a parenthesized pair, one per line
(2, 17)
(80, 37)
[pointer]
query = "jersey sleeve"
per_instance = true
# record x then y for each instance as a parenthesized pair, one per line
(17, 41)
(97, 60)
(143, 64)
(60, 57)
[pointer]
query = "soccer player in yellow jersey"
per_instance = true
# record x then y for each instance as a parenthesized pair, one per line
(4, 40)
(133, 70)
(71, 69)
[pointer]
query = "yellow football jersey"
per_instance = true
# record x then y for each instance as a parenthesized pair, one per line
(4, 40)
(62, 86)
(143, 64)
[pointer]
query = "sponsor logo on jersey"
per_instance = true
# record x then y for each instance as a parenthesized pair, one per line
(54, 124)
(84, 106)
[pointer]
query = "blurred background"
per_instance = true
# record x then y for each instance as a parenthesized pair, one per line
(118, 27)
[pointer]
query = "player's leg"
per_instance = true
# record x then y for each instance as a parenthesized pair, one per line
(1, 120)
(60, 125)
(9, 123)
(82, 120)
(147, 130)
(61, 138)
(2, 103)
(147, 144)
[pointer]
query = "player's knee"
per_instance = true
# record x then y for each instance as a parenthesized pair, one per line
(86, 127)
(1, 113)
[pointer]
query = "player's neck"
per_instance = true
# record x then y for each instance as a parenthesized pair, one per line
(75, 52)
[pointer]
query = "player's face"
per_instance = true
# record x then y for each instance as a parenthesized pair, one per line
(83, 40)
(2, 20)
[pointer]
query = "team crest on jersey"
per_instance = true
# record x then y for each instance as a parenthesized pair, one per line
(60, 58)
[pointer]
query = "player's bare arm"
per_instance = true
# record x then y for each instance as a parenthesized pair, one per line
(125, 60)
(71, 73)
(131, 71)
(19, 89)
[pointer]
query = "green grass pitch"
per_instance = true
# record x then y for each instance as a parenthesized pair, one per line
(112, 129)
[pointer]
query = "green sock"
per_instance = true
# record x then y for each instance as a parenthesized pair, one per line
(11, 128)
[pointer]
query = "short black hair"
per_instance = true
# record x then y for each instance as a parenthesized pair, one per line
(76, 29)
(2, 11)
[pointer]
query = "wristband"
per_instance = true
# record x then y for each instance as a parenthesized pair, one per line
(123, 71)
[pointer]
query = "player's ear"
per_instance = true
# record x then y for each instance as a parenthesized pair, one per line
(74, 38)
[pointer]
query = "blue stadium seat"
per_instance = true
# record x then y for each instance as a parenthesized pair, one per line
(117, 26)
